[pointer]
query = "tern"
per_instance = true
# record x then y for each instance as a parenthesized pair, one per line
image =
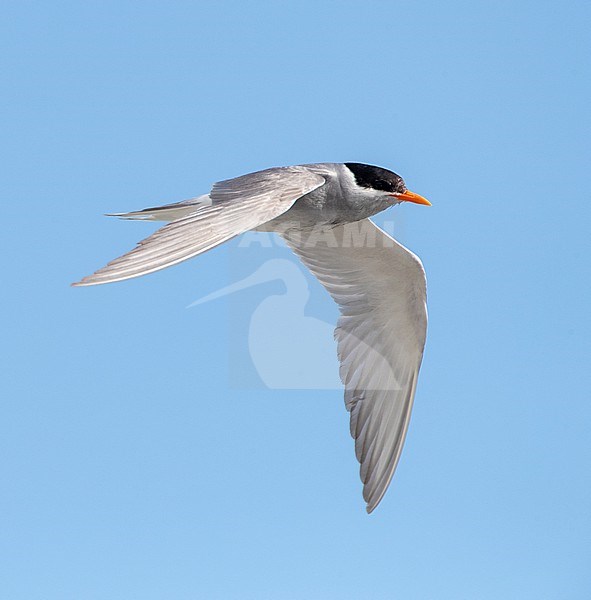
(323, 212)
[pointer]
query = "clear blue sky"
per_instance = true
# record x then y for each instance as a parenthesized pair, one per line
(132, 465)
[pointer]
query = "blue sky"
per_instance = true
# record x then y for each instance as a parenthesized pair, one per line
(136, 463)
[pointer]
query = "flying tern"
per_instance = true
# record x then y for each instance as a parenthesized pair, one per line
(322, 210)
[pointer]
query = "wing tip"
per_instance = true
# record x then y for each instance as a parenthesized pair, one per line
(372, 503)
(374, 497)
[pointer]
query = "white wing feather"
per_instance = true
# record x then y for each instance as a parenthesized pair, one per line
(381, 291)
(237, 205)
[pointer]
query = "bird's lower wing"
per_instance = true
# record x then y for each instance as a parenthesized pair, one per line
(237, 205)
(380, 288)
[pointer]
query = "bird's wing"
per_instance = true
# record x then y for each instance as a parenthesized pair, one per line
(237, 205)
(380, 288)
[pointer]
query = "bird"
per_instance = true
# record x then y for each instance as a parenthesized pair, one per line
(323, 211)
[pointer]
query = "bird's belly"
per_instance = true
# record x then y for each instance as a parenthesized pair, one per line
(314, 210)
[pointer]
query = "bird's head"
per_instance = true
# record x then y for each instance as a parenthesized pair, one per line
(385, 182)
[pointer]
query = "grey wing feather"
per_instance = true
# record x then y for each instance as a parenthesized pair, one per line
(279, 184)
(380, 289)
(238, 205)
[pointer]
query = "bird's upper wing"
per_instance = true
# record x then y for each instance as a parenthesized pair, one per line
(237, 205)
(380, 288)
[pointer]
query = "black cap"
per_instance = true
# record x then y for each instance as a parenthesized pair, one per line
(376, 178)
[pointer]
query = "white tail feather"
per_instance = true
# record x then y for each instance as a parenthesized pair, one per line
(168, 212)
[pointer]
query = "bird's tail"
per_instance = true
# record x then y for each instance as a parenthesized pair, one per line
(167, 212)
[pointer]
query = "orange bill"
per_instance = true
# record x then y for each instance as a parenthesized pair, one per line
(409, 196)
